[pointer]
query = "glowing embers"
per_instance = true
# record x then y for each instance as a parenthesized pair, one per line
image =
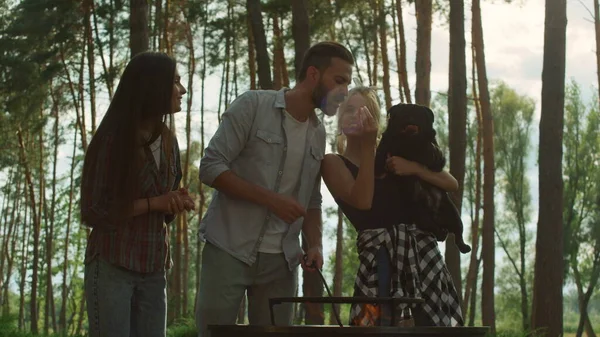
(373, 315)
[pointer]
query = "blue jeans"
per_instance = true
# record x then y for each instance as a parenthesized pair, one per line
(123, 303)
(384, 279)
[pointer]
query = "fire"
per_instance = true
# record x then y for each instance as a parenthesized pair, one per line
(372, 315)
(369, 315)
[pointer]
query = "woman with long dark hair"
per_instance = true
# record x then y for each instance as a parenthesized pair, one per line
(129, 193)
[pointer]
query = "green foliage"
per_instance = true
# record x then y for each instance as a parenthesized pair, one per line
(184, 328)
(582, 172)
(349, 255)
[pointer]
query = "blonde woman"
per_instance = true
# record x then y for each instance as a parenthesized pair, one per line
(396, 259)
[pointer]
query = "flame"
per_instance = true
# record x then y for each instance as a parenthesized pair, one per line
(369, 315)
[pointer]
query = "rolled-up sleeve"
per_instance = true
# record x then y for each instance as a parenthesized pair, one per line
(316, 199)
(229, 139)
(94, 187)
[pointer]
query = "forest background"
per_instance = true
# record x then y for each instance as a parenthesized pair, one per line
(502, 77)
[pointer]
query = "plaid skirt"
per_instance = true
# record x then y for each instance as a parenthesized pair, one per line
(418, 270)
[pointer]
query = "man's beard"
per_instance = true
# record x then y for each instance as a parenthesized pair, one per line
(318, 95)
(321, 100)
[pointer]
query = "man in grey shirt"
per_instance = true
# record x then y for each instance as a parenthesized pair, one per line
(264, 162)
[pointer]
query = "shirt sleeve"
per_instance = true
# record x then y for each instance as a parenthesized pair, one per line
(229, 139)
(94, 187)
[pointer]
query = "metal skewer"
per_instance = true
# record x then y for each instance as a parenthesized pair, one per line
(337, 316)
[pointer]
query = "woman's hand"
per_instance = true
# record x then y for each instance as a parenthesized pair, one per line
(369, 129)
(189, 203)
(402, 167)
(173, 202)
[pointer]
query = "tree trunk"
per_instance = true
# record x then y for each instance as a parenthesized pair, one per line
(36, 235)
(81, 315)
(221, 94)
(6, 226)
(547, 312)
(36, 278)
(24, 254)
(176, 273)
(300, 32)
(7, 233)
(332, 21)
(111, 36)
(200, 185)
(352, 49)
(338, 275)
(50, 231)
(457, 124)
(251, 55)
(63, 307)
(260, 43)
(474, 263)
(402, 63)
(277, 62)
(13, 247)
(90, 60)
(228, 39)
(186, 178)
(597, 29)
(81, 97)
(138, 26)
(397, 52)
(473, 302)
(74, 98)
(167, 43)
(105, 69)
(280, 72)
(584, 297)
(384, 56)
(423, 62)
(373, 32)
(365, 41)
(488, 314)
(158, 23)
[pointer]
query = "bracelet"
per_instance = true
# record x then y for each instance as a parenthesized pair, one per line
(148, 202)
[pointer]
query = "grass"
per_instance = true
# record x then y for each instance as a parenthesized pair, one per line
(187, 327)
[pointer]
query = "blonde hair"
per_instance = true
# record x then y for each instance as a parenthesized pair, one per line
(372, 103)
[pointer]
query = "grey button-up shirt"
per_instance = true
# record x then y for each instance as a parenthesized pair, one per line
(251, 142)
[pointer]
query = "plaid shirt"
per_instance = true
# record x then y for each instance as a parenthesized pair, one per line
(141, 243)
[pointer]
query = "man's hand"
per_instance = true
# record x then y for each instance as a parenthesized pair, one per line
(286, 208)
(312, 260)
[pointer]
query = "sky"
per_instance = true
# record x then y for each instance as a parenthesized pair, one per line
(513, 37)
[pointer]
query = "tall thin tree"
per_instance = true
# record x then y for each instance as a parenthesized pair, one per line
(488, 313)
(424, 10)
(547, 311)
(457, 123)
(138, 26)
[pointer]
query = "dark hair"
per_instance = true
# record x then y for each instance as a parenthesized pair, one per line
(143, 97)
(320, 55)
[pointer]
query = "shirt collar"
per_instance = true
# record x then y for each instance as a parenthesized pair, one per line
(280, 104)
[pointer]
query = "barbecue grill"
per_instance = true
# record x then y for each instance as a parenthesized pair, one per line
(352, 331)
